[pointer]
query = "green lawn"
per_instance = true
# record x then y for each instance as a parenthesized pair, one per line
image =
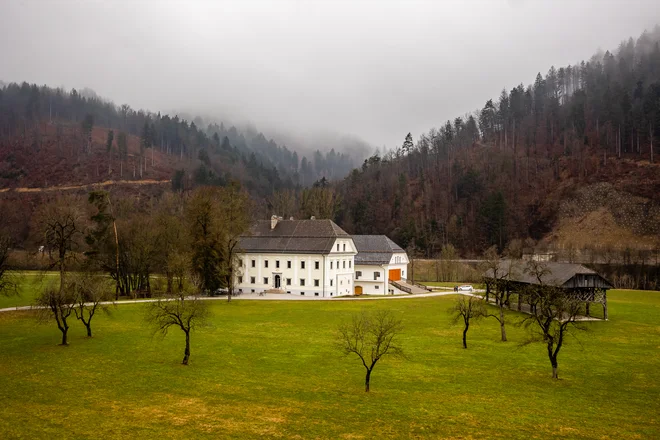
(30, 284)
(268, 369)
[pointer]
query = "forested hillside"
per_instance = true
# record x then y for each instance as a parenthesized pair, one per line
(552, 161)
(40, 125)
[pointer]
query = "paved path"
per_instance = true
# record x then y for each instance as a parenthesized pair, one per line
(269, 297)
(289, 297)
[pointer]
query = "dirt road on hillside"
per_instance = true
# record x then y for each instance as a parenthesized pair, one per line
(89, 185)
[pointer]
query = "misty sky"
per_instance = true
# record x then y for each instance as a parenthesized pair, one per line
(373, 69)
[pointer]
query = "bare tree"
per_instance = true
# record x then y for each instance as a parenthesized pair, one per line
(500, 273)
(8, 283)
(60, 226)
(554, 316)
(90, 292)
(236, 221)
(370, 336)
(467, 308)
(56, 303)
(184, 312)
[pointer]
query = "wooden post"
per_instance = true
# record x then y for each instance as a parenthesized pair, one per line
(605, 315)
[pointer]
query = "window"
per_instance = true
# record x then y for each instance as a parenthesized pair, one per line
(288, 281)
(252, 280)
(288, 264)
(316, 294)
(376, 275)
(265, 263)
(302, 293)
(344, 247)
(331, 263)
(240, 262)
(252, 290)
(302, 264)
(277, 264)
(330, 283)
(377, 286)
(240, 290)
(337, 247)
(265, 280)
(349, 263)
(316, 265)
(358, 274)
(254, 263)
(302, 281)
(316, 283)
(403, 274)
(344, 264)
(240, 280)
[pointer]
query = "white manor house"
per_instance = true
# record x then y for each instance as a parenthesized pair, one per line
(318, 258)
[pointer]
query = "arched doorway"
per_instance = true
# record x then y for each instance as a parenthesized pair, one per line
(358, 290)
(278, 281)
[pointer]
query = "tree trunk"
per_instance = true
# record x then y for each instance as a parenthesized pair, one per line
(553, 360)
(465, 335)
(88, 325)
(186, 353)
(65, 331)
(502, 328)
(366, 381)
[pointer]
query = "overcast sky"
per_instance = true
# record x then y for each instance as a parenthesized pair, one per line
(375, 69)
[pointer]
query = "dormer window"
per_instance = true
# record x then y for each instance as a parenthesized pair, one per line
(337, 247)
(344, 247)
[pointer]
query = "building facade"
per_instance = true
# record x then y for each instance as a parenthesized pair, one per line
(379, 261)
(316, 258)
(300, 257)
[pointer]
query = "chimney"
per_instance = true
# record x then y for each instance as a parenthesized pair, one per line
(273, 222)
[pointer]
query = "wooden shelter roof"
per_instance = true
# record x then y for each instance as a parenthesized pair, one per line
(567, 275)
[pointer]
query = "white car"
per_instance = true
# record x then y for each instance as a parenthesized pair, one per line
(465, 288)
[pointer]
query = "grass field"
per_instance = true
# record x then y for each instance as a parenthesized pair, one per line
(29, 285)
(269, 369)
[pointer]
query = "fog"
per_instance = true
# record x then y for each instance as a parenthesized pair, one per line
(375, 70)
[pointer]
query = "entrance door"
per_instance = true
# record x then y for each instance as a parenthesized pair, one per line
(395, 274)
(278, 281)
(358, 290)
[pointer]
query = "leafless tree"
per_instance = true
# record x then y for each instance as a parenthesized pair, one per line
(8, 282)
(554, 316)
(56, 303)
(60, 225)
(466, 309)
(184, 312)
(370, 336)
(500, 274)
(90, 291)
